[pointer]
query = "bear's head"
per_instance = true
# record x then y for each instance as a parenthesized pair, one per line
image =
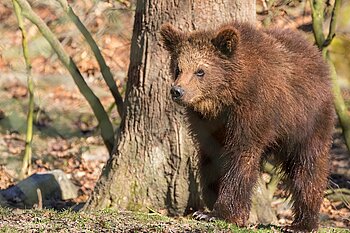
(202, 65)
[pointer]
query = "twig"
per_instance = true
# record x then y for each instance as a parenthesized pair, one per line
(275, 178)
(332, 25)
(340, 190)
(40, 199)
(154, 211)
(317, 9)
(342, 194)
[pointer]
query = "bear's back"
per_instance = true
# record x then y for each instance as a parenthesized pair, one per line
(302, 52)
(288, 76)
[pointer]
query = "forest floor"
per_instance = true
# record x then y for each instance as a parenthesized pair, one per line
(109, 221)
(113, 221)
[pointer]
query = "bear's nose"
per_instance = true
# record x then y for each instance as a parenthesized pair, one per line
(176, 92)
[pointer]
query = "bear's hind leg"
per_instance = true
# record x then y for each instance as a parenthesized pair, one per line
(307, 171)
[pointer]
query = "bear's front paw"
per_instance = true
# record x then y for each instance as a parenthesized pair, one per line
(203, 216)
(297, 228)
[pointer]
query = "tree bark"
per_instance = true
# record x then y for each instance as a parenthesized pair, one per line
(154, 162)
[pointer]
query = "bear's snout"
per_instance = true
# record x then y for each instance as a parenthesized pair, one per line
(176, 92)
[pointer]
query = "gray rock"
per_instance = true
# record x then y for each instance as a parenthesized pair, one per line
(52, 185)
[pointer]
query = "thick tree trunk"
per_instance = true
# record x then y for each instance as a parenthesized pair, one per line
(154, 164)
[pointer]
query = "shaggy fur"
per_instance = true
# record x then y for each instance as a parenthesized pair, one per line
(252, 92)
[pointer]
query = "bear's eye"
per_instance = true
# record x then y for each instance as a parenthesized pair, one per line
(199, 73)
(177, 72)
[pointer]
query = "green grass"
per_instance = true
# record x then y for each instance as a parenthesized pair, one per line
(114, 221)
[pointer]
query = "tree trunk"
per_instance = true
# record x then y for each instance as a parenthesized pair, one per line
(154, 162)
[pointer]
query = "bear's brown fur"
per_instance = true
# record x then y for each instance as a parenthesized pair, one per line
(251, 92)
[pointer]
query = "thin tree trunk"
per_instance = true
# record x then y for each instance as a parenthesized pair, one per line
(154, 163)
(27, 158)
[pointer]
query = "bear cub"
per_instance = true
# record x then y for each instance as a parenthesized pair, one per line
(250, 93)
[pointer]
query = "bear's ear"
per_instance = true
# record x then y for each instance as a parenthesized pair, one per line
(226, 40)
(171, 37)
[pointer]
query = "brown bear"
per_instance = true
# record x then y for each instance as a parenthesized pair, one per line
(250, 93)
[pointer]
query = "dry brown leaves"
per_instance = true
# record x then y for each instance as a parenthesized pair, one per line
(5, 178)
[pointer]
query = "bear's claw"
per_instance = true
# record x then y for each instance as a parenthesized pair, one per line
(296, 228)
(202, 216)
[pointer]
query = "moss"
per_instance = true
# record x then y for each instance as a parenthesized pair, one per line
(134, 204)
